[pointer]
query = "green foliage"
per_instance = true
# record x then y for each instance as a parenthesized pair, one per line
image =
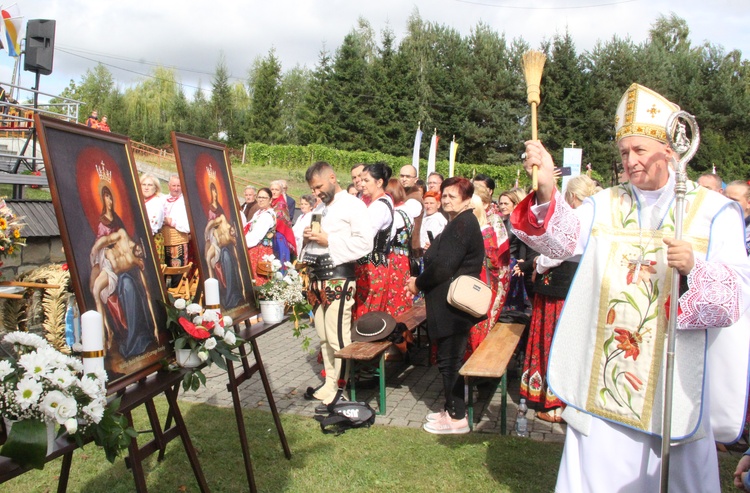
(370, 93)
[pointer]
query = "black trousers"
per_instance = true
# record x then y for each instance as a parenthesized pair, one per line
(450, 352)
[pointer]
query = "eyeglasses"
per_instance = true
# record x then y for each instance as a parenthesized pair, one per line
(262, 197)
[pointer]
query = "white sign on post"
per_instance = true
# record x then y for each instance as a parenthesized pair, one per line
(571, 160)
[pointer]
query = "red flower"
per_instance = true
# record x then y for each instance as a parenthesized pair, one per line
(633, 380)
(64, 266)
(611, 316)
(196, 331)
(629, 342)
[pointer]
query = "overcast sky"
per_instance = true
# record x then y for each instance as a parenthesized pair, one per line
(131, 37)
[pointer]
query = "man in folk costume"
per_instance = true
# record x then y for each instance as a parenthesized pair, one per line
(176, 228)
(344, 236)
(608, 354)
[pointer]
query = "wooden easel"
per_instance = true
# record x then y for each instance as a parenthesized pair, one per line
(141, 393)
(249, 334)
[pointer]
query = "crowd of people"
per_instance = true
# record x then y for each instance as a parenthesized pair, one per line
(589, 269)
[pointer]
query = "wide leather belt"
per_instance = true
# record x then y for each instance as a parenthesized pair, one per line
(321, 268)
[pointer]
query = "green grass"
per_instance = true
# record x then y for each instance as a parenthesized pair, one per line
(382, 458)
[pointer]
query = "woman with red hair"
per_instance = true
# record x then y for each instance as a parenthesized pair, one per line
(457, 251)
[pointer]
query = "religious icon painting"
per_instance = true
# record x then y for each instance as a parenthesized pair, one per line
(214, 215)
(108, 245)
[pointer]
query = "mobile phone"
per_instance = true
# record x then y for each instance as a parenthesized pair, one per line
(315, 223)
(429, 235)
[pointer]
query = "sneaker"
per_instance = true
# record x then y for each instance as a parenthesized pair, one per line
(435, 416)
(447, 426)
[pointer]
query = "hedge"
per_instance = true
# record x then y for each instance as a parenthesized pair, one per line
(298, 158)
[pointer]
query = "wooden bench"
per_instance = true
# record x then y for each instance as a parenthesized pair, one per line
(490, 360)
(372, 354)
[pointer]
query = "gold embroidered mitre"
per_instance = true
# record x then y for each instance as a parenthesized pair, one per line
(644, 112)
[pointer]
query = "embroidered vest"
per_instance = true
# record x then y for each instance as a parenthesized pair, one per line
(381, 243)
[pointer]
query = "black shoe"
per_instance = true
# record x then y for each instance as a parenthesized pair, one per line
(322, 409)
(308, 395)
(326, 408)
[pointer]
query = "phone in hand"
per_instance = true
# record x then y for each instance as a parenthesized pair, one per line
(315, 223)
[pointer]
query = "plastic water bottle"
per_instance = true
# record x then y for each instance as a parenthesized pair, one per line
(522, 424)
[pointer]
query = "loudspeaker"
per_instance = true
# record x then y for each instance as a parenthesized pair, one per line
(40, 46)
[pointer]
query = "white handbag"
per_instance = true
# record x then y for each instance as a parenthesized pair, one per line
(470, 295)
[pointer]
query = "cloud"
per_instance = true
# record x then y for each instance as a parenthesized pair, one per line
(190, 35)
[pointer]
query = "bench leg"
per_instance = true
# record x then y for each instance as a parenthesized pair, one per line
(381, 371)
(354, 367)
(503, 403)
(469, 402)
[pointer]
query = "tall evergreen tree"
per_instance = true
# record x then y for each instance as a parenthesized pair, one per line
(221, 99)
(265, 122)
(315, 114)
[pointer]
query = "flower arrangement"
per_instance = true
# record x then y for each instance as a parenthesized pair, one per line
(205, 333)
(285, 285)
(40, 385)
(10, 231)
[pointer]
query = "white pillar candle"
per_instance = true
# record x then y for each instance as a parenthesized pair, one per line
(92, 341)
(211, 293)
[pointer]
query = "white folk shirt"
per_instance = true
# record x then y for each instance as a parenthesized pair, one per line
(155, 211)
(435, 223)
(175, 209)
(349, 230)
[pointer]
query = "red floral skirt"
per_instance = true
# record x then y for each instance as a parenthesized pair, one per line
(544, 318)
(372, 289)
(399, 298)
(256, 255)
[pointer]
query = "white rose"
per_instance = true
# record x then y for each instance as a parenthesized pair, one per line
(230, 338)
(67, 408)
(193, 308)
(198, 320)
(210, 316)
(71, 424)
(209, 344)
(203, 355)
(227, 321)
(219, 331)
(180, 303)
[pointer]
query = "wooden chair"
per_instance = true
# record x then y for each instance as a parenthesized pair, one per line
(182, 290)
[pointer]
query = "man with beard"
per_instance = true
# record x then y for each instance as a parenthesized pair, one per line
(343, 236)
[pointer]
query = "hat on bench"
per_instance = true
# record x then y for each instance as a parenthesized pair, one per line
(373, 326)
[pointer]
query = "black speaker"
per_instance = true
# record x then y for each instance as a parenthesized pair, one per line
(40, 46)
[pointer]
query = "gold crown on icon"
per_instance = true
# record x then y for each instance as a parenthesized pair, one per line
(105, 175)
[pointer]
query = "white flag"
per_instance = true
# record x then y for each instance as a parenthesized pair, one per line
(432, 158)
(415, 154)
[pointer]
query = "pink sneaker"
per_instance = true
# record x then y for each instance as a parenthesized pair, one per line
(447, 426)
(435, 416)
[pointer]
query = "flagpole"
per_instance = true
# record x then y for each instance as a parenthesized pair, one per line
(687, 149)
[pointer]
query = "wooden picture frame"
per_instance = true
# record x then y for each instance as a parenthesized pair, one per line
(214, 215)
(108, 245)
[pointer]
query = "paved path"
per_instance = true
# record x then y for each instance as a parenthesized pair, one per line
(412, 390)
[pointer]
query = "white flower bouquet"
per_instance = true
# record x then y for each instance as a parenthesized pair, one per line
(285, 285)
(40, 385)
(206, 333)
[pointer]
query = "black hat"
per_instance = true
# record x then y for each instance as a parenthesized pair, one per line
(373, 326)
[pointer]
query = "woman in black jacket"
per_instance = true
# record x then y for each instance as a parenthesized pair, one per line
(458, 250)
